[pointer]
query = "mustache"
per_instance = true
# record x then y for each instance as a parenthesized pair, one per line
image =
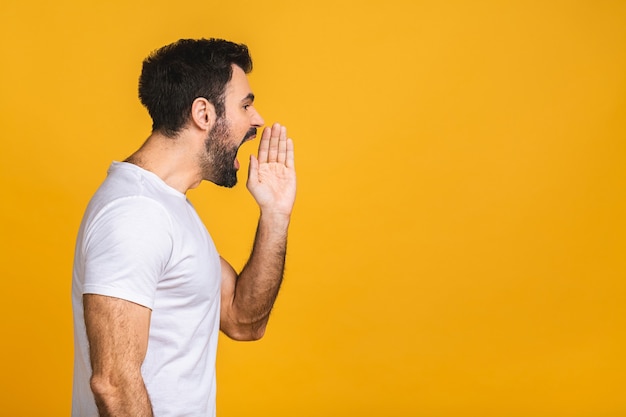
(251, 132)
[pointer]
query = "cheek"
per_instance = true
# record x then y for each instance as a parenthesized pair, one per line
(238, 122)
(242, 129)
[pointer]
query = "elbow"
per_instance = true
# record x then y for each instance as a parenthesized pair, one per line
(246, 336)
(244, 332)
(102, 388)
(109, 390)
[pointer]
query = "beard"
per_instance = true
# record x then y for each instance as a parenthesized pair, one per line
(218, 162)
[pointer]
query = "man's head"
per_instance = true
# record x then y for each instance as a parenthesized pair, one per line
(175, 75)
(181, 81)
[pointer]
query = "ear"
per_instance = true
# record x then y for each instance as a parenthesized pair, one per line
(202, 114)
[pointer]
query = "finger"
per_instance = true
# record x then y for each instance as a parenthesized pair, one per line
(272, 155)
(290, 163)
(264, 145)
(282, 146)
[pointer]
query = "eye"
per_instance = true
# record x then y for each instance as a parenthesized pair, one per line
(246, 106)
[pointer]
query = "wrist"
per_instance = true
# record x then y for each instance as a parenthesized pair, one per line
(275, 218)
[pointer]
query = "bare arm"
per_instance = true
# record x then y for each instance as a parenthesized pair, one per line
(248, 297)
(118, 338)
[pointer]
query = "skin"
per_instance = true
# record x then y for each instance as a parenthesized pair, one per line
(117, 329)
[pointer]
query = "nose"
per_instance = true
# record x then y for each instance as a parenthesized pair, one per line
(257, 120)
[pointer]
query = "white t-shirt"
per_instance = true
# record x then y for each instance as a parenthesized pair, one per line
(142, 241)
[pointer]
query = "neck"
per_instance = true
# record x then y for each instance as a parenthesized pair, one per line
(174, 160)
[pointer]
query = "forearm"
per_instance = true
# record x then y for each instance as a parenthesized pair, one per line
(258, 283)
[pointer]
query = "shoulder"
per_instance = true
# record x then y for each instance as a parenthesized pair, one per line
(130, 218)
(131, 193)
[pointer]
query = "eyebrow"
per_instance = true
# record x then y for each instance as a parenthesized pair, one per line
(249, 97)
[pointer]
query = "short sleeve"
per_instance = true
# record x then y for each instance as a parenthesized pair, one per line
(127, 247)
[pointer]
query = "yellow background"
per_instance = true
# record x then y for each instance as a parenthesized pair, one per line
(458, 243)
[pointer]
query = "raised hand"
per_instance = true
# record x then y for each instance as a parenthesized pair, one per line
(272, 176)
(248, 297)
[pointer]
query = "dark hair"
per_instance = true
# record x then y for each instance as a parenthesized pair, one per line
(175, 75)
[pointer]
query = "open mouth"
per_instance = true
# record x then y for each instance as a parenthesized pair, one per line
(251, 134)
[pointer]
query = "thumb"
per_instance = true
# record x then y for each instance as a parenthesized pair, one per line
(253, 170)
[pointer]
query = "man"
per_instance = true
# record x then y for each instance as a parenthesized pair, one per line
(149, 290)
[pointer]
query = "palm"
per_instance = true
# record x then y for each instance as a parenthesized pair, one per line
(272, 177)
